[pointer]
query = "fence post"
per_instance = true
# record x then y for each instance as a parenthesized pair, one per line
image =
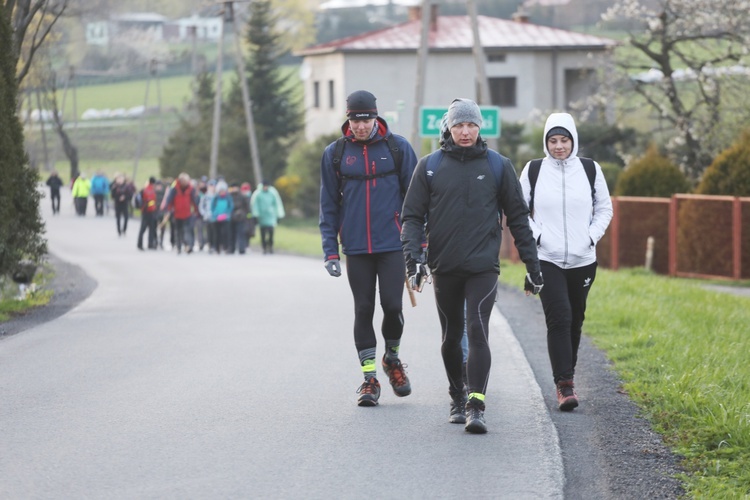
(673, 235)
(737, 238)
(614, 251)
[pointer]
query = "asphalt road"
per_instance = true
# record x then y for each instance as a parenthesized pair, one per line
(153, 375)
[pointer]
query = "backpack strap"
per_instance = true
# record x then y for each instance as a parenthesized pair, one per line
(536, 165)
(590, 168)
(396, 153)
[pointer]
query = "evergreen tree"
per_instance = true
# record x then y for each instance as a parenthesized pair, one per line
(276, 111)
(189, 147)
(21, 227)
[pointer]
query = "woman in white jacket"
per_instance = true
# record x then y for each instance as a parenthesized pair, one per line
(568, 218)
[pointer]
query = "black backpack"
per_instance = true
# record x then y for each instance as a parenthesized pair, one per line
(396, 153)
(536, 165)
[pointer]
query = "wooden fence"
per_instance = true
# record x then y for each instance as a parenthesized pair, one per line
(696, 236)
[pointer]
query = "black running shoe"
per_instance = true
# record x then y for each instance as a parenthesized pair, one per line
(458, 408)
(397, 376)
(475, 417)
(369, 392)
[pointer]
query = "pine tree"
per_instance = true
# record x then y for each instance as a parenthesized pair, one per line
(21, 226)
(276, 111)
(189, 147)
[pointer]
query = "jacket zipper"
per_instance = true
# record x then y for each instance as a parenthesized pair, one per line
(564, 214)
(367, 200)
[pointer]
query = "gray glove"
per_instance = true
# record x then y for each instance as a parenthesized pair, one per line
(333, 267)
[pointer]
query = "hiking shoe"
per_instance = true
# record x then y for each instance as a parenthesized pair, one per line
(369, 392)
(397, 376)
(567, 399)
(475, 417)
(458, 408)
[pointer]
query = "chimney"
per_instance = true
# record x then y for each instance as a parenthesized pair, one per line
(520, 16)
(415, 14)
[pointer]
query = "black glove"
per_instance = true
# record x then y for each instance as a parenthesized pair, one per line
(333, 267)
(534, 282)
(419, 276)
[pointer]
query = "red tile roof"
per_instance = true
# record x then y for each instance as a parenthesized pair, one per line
(454, 33)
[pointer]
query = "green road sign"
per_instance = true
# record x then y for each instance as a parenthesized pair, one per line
(429, 121)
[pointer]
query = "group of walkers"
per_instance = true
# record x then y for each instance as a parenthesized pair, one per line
(440, 218)
(206, 213)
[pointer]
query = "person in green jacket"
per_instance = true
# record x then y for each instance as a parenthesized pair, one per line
(268, 208)
(80, 192)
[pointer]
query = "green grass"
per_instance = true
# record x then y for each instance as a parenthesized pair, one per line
(682, 352)
(300, 237)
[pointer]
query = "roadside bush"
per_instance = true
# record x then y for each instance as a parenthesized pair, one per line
(611, 173)
(729, 174)
(304, 163)
(652, 175)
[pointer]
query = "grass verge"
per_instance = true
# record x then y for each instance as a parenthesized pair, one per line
(11, 306)
(681, 352)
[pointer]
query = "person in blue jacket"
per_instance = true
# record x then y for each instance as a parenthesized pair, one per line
(360, 204)
(99, 190)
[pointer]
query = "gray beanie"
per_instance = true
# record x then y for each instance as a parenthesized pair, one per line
(463, 110)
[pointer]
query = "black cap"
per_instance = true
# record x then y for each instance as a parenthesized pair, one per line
(152, 180)
(558, 131)
(360, 105)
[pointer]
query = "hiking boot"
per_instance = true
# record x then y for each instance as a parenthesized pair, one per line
(397, 376)
(458, 407)
(567, 399)
(475, 417)
(369, 392)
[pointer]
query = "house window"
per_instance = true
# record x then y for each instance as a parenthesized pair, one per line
(316, 94)
(503, 92)
(330, 94)
(497, 57)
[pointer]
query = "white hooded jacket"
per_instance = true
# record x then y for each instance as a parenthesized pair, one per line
(565, 227)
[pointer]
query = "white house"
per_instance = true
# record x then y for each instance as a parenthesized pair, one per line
(530, 69)
(103, 32)
(204, 28)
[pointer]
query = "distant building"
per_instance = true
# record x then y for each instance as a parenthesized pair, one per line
(529, 67)
(205, 28)
(102, 32)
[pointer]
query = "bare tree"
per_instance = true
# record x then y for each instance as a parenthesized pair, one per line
(31, 21)
(684, 58)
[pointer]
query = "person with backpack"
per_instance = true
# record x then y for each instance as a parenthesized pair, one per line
(461, 191)
(182, 202)
(570, 210)
(268, 208)
(364, 175)
(55, 183)
(147, 202)
(122, 196)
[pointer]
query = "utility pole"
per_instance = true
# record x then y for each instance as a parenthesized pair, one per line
(142, 127)
(422, 54)
(484, 96)
(247, 103)
(213, 169)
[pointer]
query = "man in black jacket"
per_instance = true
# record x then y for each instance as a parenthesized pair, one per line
(461, 192)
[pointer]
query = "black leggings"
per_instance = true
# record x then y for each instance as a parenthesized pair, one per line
(121, 214)
(478, 292)
(564, 300)
(389, 271)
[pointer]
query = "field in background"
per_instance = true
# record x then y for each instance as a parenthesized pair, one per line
(113, 144)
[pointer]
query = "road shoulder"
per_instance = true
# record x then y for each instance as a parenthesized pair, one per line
(70, 285)
(608, 450)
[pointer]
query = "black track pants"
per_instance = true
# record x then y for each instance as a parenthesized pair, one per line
(478, 292)
(564, 300)
(388, 270)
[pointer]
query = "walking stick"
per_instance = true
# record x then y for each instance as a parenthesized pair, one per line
(412, 298)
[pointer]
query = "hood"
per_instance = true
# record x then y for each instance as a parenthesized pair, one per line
(561, 120)
(382, 129)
